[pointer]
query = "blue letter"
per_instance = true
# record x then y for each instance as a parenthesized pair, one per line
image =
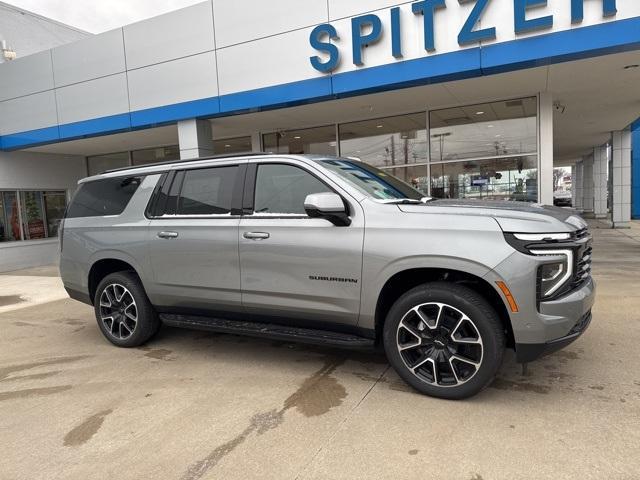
(358, 40)
(331, 49)
(577, 9)
(520, 16)
(467, 34)
(396, 37)
(427, 8)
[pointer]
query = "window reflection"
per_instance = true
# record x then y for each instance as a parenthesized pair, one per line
(485, 130)
(385, 142)
(495, 179)
(320, 140)
(232, 146)
(155, 155)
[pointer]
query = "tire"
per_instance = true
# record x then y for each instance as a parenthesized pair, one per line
(130, 320)
(445, 340)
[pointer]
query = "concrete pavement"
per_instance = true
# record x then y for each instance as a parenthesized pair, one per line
(194, 405)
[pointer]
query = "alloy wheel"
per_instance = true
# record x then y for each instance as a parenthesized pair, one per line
(118, 311)
(439, 344)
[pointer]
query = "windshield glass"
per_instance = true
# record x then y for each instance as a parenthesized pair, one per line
(371, 181)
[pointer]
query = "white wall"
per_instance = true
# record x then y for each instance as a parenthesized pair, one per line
(36, 171)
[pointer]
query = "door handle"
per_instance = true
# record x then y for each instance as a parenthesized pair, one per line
(256, 235)
(167, 235)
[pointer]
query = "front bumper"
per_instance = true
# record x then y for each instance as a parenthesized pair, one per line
(527, 352)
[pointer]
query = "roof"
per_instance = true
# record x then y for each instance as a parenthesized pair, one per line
(27, 32)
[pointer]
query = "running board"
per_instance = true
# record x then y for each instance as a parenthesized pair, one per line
(268, 330)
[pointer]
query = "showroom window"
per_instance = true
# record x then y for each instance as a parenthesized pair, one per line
(101, 163)
(486, 151)
(232, 146)
(319, 140)
(396, 144)
(155, 155)
(30, 214)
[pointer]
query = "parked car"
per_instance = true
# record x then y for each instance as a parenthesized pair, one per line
(562, 198)
(329, 251)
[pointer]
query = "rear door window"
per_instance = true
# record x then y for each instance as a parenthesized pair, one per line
(207, 191)
(106, 197)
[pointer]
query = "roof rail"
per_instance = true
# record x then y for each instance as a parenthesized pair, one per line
(173, 162)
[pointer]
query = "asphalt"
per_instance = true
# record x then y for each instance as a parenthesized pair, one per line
(193, 405)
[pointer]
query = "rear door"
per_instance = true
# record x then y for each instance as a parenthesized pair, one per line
(193, 239)
(294, 266)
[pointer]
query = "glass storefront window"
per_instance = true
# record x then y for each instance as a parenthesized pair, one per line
(40, 213)
(33, 224)
(54, 206)
(232, 146)
(485, 130)
(385, 142)
(155, 155)
(494, 179)
(320, 140)
(101, 163)
(9, 217)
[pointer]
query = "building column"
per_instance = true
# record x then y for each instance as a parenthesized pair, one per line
(635, 169)
(577, 187)
(195, 138)
(545, 149)
(574, 177)
(256, 142)
(600, 162)
(621, 208)
(587, 184)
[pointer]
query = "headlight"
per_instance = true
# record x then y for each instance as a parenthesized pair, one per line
(553, 275)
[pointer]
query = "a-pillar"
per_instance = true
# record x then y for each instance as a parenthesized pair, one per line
(195, 138)
(621, 208)
(600, 179)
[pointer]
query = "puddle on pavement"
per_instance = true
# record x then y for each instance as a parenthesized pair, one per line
(33, 392)
(87, 429)
(6, 371)
(6, 300)
(318, 394)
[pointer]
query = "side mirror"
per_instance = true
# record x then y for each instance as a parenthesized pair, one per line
(329, 206)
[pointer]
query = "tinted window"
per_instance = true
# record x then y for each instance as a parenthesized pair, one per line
(283, 189)
(207, 191)
(103, 197)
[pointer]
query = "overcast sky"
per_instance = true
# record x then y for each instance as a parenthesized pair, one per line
(100, 15)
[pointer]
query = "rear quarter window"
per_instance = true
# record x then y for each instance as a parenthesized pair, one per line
(103, 197)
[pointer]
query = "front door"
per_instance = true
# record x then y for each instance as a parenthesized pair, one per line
(193, 243)
(294, 266)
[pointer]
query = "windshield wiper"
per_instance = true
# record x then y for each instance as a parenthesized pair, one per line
(406, 201)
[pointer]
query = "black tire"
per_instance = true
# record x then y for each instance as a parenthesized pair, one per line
(479, 339)
(147, 323)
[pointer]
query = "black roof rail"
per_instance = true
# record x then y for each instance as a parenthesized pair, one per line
(174, 162)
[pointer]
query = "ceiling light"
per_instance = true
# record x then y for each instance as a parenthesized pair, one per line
(629, 67)
(297, 138)
(489, 126)
(479, 113)
(498, 136)
(378, 126)
(227, 146)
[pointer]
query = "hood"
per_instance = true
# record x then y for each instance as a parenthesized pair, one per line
(519, 217)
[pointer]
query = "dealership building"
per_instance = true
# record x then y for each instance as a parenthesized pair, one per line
(460, 98)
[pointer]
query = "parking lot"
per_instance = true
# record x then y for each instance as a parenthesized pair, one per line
(194, 405)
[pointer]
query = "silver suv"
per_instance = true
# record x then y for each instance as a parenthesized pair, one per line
(329, 251)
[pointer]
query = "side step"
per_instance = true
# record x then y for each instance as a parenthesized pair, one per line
(268, 330)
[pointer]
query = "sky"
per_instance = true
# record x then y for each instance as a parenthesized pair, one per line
(98, 16)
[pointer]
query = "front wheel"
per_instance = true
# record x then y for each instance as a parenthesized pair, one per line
(444, 339)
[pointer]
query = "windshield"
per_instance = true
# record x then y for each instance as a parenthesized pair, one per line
(371, 181)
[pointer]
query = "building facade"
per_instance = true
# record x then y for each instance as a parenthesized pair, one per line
(462, 99)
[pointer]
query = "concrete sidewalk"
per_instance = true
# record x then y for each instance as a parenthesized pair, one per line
(194, 405)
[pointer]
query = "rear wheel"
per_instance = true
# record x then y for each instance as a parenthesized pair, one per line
(123, 311)
(444, 339)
